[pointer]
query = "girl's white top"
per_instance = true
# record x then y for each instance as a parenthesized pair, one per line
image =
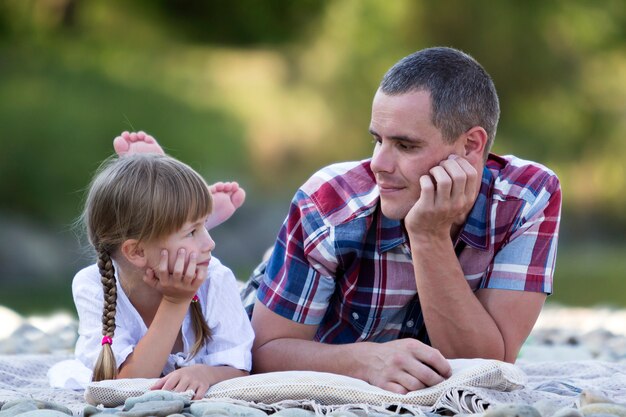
(232, 334)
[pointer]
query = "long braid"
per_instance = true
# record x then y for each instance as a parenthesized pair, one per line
(106, 367)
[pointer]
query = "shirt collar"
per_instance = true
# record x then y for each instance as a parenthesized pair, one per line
(476, 229)
(390, 232)
(474, 233)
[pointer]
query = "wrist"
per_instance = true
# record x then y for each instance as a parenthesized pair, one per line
(171, 301)
(362, 360)
(428, 238)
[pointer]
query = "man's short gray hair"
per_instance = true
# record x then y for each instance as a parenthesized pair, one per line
(462, 93)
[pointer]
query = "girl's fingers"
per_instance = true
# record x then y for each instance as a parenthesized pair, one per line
(159, 384)
(190, 273)
(201, 390)
(150, 279)
(201, 273)
(162, 272)
(179, 265)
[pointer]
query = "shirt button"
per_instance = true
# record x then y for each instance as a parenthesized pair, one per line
(410, 323)
(355, 316)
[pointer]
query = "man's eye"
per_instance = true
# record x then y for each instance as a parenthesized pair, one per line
(376, 141)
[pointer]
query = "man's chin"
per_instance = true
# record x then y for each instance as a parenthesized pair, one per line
(393, 213)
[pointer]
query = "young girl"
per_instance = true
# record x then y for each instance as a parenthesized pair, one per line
(171, 310)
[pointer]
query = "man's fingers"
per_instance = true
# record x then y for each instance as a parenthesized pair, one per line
(473, 177)
(458, 176)
(420, 375)
(412, 381)
(427, 193)
(394, 387)
(443, 184)
(434, 360)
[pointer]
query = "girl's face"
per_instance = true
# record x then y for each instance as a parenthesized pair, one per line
(193, 237)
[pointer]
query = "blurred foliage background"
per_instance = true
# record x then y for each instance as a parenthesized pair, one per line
(264, 92)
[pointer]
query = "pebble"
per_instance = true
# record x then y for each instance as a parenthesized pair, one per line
(547, 408)
(568, 412)
(294, 412)
(44, 413)
(591, 397)
(157, 395)
(342, 413)
(604, 408)
(31, 405)
(90, 411)
(512, 410)
(154, 408)
(17, 409)
(213, 408)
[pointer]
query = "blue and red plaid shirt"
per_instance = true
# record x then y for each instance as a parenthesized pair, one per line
(341, 264)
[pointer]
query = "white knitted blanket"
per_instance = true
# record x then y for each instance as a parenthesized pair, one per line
(474, 386)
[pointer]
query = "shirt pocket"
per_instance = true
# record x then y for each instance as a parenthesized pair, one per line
(364, 321)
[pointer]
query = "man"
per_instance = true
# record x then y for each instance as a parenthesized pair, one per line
(433, 248)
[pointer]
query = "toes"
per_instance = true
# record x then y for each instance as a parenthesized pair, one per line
(238, 197)
(218, 187)
(120, 145)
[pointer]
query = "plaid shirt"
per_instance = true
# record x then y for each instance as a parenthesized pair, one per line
(341, 264)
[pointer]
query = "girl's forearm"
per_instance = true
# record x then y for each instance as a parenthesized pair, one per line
(150, 355)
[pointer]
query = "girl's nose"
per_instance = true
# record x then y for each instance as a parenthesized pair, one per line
(208, 243)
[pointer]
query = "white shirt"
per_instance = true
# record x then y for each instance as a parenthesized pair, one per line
(231, 338)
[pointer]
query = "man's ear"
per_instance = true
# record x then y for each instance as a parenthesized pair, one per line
(474, 143)
(134, 252)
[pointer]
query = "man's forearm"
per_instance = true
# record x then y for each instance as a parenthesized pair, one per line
(458, 324)
(296, 354)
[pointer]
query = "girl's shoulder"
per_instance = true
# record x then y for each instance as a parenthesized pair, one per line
(220, 280)
(87, 277)
(219, 272)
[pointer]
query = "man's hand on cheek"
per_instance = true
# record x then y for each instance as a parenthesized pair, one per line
(447, 196)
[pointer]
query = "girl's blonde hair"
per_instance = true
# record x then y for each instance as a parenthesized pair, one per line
(143, 197)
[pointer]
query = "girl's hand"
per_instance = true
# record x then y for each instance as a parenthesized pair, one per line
(195, 377)
(182, 283)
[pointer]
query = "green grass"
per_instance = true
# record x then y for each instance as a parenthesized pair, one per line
(37, 299)
(591, 276)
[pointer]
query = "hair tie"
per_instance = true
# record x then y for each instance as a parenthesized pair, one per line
(195, 298)
(106, 340)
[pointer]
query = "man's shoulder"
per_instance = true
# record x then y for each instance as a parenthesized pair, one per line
(343, 191)
(519, 178)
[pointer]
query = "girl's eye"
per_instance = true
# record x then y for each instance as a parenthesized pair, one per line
(190, 234)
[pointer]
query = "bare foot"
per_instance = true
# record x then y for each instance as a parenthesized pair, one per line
(227, 198)
(139, 142)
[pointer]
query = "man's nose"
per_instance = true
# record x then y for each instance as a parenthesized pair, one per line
(382, 158)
